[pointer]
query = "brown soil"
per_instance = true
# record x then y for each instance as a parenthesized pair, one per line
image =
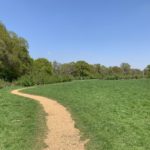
(62, 134)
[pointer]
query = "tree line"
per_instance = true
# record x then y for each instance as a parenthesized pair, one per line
(17, 65)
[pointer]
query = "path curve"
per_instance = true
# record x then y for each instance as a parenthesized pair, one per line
(62, 135)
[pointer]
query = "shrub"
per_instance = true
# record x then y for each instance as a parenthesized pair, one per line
(4, 83)
(112, 77)
(65, 78)
(41, 78)
(25, 80)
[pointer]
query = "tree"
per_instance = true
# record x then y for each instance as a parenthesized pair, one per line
(42, 65)
(147, 71)
(126, 68)
(82, 69)
(115, 72)
(68, 68)
(56, 66)
(136, 73)
(100, 71)
(14, 57)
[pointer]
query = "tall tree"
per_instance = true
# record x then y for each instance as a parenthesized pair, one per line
(68, 68)
(126, 68)
(14, 57)
(147, 71)
(42, 65)
(56, 66)
(82, 69)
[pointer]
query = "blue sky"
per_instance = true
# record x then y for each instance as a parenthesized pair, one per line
(97, 31)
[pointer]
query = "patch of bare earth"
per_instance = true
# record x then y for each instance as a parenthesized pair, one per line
(62, 134)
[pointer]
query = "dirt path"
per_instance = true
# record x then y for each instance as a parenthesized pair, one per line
(62, 135)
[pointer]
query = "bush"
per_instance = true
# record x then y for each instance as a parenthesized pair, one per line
(65, 78)
(4, 84)
(41, 78)
(112, 77)
(25, 80)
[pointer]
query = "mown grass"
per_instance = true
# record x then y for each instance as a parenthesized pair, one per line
(22, 122)
(115, 115)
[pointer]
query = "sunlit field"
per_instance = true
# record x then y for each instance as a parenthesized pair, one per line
(114, 115)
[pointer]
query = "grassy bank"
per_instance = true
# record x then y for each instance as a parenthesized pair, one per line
(22, 123)
(115, 115)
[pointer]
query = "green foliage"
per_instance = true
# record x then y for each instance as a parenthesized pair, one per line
(126, 68)
(82, 69)
(22, 123)
(14, 57)
(3, 83)
(114, 115)
(25, 80)
(137, 74)
(112, 77)
(42, 65)
(147, 71)
(41, 78)
(15, 62)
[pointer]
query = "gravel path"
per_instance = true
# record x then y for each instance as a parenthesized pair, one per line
(62, 134)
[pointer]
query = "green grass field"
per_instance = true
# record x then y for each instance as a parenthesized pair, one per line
(114, 115)
(22, 123)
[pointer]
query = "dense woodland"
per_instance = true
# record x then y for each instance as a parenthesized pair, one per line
(17, 66)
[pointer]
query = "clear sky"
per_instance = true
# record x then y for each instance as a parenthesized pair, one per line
(97, 31)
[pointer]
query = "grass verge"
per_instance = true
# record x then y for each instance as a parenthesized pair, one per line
(22, 122)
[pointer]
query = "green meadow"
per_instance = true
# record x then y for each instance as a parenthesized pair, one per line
(92, 57)
(114, 115)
